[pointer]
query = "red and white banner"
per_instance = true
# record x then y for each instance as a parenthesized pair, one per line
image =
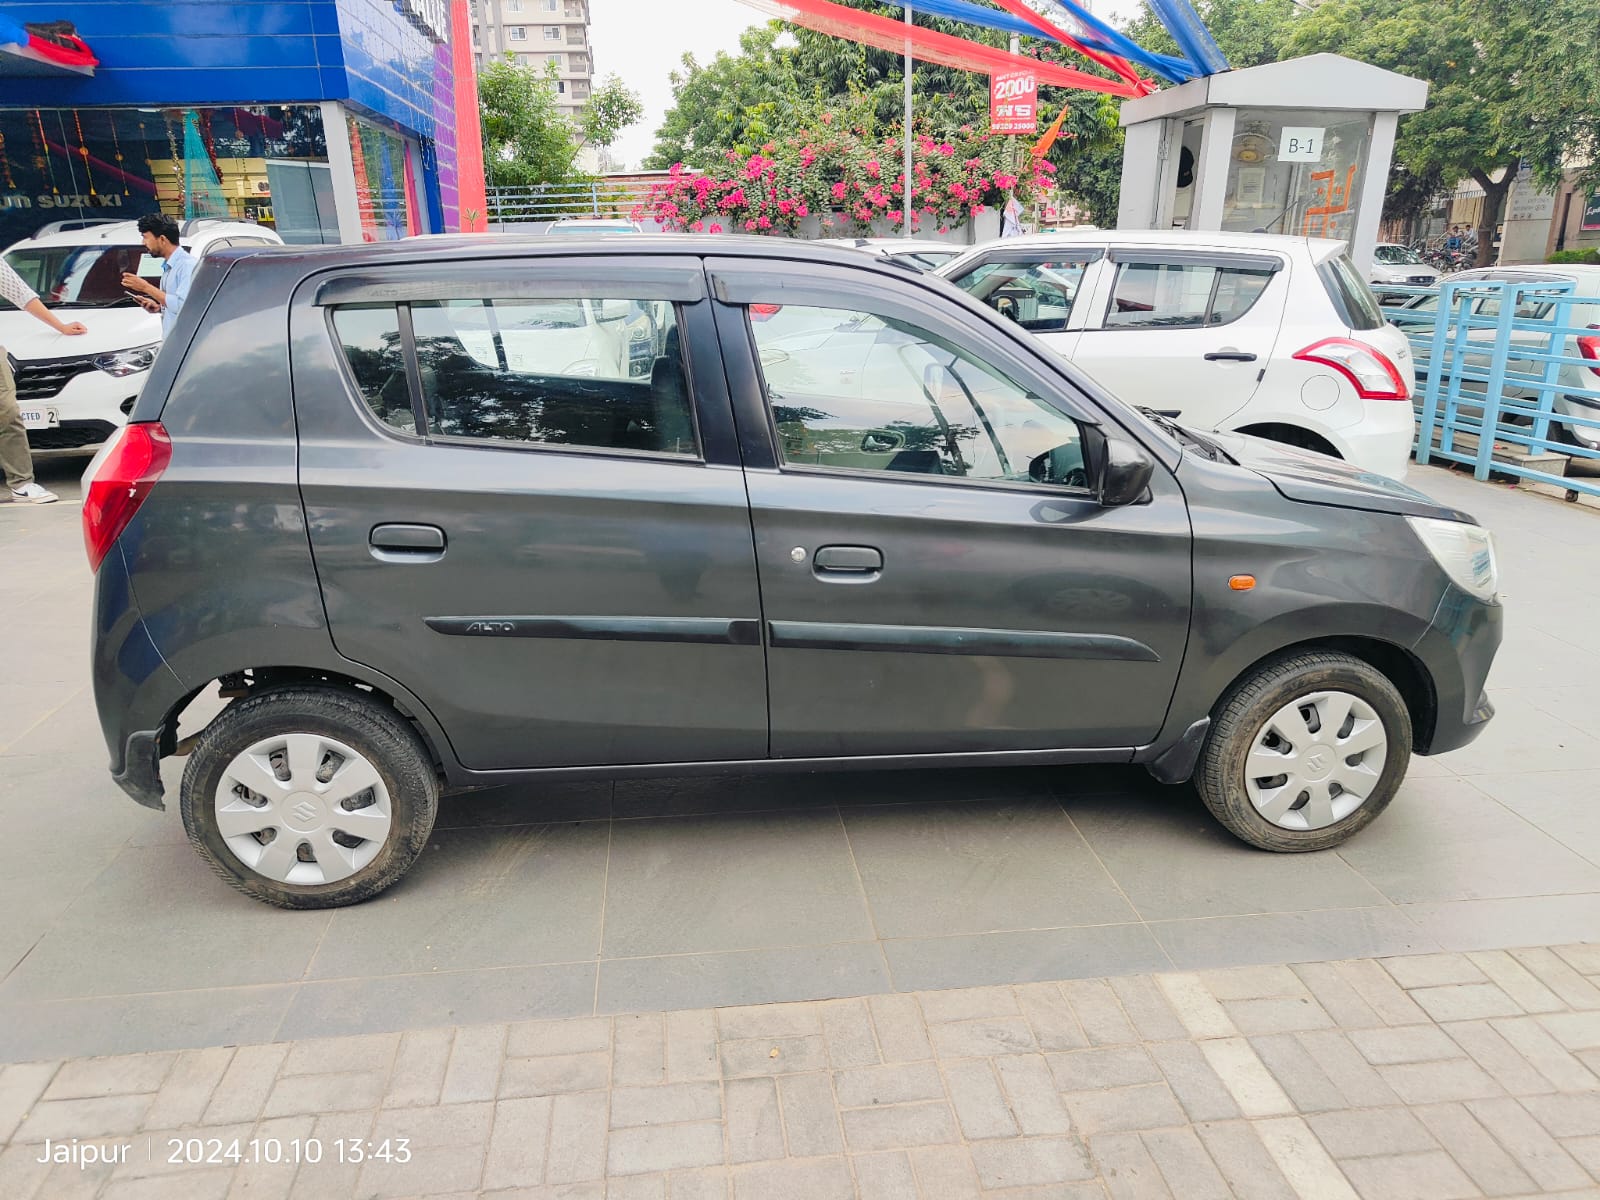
(1014, 102)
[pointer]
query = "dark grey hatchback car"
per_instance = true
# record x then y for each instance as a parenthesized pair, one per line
(451, 513)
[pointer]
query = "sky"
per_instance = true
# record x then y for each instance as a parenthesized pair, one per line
(644, 40)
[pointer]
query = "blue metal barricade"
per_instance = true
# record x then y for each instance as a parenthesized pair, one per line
(1506, 361)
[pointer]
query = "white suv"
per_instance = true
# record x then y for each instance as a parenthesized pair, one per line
(75, 391)
(1274, 336)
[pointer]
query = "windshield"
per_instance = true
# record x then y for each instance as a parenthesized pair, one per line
(1396, 255)
(82, 276)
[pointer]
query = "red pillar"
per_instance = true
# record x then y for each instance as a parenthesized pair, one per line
(469, 133)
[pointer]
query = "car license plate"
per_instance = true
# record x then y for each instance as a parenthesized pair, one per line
(40, 418)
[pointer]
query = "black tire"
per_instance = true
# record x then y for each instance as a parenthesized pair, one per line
(1244, 711)
(365, 725)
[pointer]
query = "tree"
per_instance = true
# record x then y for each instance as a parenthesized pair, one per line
(1512, 82)
(612, 107)
(527, 142)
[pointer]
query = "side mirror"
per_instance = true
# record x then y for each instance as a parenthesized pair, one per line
(1119, 470)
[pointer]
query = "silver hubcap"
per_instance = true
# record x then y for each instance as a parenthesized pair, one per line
(303, 809)
(1316, 760)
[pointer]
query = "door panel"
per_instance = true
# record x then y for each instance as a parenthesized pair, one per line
(566, 580)
(1185, 331)
(987, 602)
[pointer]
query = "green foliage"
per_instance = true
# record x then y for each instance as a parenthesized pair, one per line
(527, 142)
(612, 107)
(1590, 258)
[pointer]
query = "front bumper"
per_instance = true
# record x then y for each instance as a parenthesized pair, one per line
(1458, 649)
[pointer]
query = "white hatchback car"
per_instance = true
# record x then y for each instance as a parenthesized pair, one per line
(75, 392)
(1274, 336)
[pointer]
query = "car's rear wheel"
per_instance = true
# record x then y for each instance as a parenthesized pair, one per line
(1305, 752)
(309, 797)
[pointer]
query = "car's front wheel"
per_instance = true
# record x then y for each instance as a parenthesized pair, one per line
(309, 797)
(1305, 752)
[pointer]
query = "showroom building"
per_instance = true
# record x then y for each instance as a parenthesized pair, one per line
(327, 120)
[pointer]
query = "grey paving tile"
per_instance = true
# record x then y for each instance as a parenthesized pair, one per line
(1521, 732)
(177, 928)
(1501, 924)
(1559, 802)
(685, 885)
(708, 795)
(1483, 851)
(132, 1024)
(1289, 937)
(971, 960)
(467, 901)
(742, 977)
(393, 1003)
(1221, 876)
(971, 868)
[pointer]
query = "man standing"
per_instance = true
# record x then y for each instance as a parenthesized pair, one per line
(160, 234)
(15, 458)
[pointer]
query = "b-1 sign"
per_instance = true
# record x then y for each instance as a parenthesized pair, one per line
(1300, 143)
(1014, 102)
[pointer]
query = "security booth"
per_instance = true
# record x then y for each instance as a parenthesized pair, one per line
(1300, 148)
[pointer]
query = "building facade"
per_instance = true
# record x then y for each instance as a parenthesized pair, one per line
(536, 32)
(327, 120)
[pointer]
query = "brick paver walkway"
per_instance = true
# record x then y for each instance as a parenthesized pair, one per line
(1431, 1077)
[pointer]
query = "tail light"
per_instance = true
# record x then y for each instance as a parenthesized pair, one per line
(1589, 347)
(130, 469)
(1375, 377)
(760, 312)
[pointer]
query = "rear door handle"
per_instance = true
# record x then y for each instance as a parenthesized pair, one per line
(848, 560)
(406, 543)
(1230, 356)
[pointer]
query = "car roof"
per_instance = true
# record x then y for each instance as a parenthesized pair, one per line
(1175, 238)
(126, 233)
(462, 246)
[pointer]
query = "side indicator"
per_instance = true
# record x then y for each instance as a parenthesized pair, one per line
(1241, 583)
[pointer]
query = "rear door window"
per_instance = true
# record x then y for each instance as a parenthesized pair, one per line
(600, 374)
(1182, 295)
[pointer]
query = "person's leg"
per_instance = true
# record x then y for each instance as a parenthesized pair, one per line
(15, 460)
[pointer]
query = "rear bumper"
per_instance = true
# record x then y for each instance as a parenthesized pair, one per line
(1381, 441)
(1458, 648)
(134, 689)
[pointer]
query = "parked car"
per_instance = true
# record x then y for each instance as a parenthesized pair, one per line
(414, 568)
(921, 253)
(1585, 282)
(1274, 336)
(75, 392)
(1396, 264)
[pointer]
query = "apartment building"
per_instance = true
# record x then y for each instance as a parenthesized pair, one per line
(537, 32)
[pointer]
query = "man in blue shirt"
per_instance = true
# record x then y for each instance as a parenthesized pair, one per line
(160, 234)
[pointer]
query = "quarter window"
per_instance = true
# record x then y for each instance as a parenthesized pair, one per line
(369, 334)
(851, 390)
(1037, 295)
(604, 374)
(1182, 295)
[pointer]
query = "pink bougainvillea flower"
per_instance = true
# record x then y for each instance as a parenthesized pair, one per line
(750, 225)
(698, 226)
(839, 190)
(873, 168)
(946, 149)
(765, 223)
(715, 228)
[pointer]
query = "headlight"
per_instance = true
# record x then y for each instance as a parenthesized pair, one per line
(1466, 552)
(127, 362)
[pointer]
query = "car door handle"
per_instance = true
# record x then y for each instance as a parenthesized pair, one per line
(406, 543)
(1230, 356)
(848, 560)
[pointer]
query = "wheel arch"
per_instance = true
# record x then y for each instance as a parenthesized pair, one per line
(1397, 664)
